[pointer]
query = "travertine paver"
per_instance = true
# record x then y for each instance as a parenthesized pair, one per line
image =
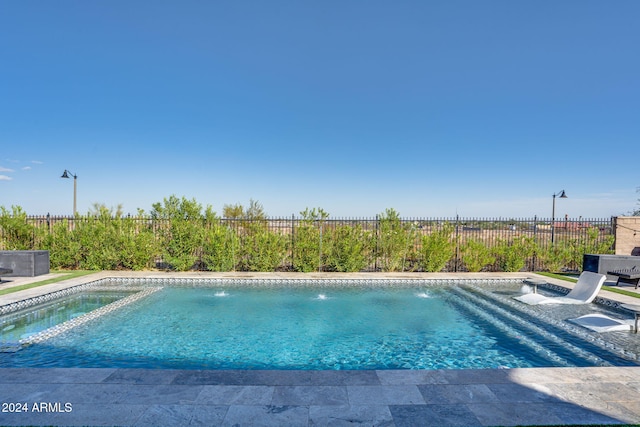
(385, 395)
(271, 415)
(236, 395)
(433, 415)
(182, 415)
(350, 415)
(306, 395)
(140, 397)
(457, 394)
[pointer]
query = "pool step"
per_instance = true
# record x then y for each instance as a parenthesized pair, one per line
(522, 328)
(599, 340)
(478, 309)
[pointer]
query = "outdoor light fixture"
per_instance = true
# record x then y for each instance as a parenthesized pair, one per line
(66, 174)
(562, 195)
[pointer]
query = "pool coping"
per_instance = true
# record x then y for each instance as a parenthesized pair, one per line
(489, 397)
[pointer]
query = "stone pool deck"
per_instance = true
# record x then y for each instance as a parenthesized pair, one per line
(135, 397)
(488, 397)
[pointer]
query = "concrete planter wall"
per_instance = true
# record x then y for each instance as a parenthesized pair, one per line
(25, 263)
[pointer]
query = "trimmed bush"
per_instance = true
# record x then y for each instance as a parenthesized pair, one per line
(437, 249)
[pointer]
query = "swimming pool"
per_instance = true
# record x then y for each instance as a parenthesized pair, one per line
(334, 324)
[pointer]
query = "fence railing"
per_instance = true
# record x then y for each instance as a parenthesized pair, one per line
(378, 244)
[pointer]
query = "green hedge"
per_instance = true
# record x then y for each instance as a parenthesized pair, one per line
(179, 234)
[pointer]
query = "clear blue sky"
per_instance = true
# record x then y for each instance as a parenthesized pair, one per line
(480, 108)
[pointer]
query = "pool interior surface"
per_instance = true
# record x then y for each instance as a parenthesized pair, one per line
(453, 326)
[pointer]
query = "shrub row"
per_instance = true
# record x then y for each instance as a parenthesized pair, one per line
(180, 235)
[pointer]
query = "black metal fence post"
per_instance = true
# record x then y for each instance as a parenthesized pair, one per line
(535, 241)
(293, 241)
(455, 265)
(375, 262)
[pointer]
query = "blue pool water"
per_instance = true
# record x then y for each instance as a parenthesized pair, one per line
(427, 327)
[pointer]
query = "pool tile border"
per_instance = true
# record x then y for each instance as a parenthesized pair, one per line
(296, 282)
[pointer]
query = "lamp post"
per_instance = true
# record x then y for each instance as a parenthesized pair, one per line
(562, 195)
(66, 174)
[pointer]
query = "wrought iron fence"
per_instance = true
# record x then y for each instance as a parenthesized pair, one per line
(406, 236)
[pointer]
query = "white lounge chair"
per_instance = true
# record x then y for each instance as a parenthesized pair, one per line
(583, 292)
